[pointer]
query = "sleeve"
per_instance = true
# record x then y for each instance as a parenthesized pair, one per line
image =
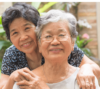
(76, 57)
(16, 86)
(97, 84)
(8, 62)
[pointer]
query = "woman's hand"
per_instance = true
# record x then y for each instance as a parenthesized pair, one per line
(30, 81)
(86, 77)
(16, 77)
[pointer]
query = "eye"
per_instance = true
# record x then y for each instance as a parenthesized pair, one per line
(15, 33)
(27, 28)
(62, 35)
(48, 36)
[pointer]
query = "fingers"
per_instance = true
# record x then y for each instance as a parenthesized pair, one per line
(26, 76)
(24, 87)
(17, 76)
(23, 83)
(93, 81)
(30, 72)
(82, 83)
(87, 83)
(79, 83)
(91, 84)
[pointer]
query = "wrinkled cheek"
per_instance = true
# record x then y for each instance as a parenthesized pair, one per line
(44, 49)
(15, 43)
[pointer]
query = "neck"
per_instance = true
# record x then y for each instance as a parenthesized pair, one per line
(56, 72)
(34, 60)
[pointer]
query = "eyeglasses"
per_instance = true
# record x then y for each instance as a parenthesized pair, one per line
(50, 38)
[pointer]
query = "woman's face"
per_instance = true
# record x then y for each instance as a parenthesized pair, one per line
(22, 35)
(61, 45)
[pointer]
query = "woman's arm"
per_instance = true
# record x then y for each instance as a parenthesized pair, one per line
(87, 73)
(3, 80)
(8, 81)
(24, 78)
(95, 68)
(9, 84)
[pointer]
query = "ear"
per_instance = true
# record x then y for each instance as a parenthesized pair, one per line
(39, 45)
(72, 44)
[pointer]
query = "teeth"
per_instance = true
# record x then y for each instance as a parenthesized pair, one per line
(26, 44)
(55, 49)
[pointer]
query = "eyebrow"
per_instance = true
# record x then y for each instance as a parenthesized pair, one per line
(12, 30)
(60, 30)
(28, 24)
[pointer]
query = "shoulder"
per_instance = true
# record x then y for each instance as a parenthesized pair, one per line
(76, 56)
(13, 53)
(13, 59)
(38, 71)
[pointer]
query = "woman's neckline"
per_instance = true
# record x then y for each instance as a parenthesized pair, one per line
(77, 69)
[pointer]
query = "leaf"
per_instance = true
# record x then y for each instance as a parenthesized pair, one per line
(86, 51)
(64, 7)
(36, 4)
(80, 43)
(78, 38)
(2, 31)
(46, 6)
(5, 44)
(0, 73)
(0, 66)
(0, 20)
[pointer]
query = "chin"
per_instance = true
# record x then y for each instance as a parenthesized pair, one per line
(56, 58)
(27, 51)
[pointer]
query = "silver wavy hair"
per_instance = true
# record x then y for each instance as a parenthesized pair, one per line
(55, 16)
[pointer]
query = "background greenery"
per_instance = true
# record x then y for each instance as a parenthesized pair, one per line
(43, 7)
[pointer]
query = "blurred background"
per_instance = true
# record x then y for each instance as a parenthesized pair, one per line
(88, 25)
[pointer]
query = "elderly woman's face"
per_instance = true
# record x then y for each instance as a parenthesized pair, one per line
(22, 35)
(56, 42)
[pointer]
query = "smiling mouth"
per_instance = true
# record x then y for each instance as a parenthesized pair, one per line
(26, 44)
(55, 49)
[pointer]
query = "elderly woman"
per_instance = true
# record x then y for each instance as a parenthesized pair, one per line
(19, 22)
(56, 37)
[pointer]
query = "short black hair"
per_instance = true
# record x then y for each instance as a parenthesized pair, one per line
(18, 10)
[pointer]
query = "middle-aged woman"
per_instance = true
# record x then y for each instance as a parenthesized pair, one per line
(19, 22)
(56, 35)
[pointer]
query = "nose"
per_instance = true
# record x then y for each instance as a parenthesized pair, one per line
(23, 37)
(55, 41)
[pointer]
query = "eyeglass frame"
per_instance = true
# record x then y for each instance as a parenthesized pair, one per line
(65, 37)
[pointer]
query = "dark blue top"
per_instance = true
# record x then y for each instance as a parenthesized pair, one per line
(14, 59)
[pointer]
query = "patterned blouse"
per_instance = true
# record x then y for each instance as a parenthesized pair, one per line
(14, 59)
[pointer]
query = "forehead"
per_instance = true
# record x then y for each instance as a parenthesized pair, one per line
(59, 26)
(18, 22)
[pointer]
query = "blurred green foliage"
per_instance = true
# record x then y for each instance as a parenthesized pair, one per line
(81, 43)
(4, 43)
